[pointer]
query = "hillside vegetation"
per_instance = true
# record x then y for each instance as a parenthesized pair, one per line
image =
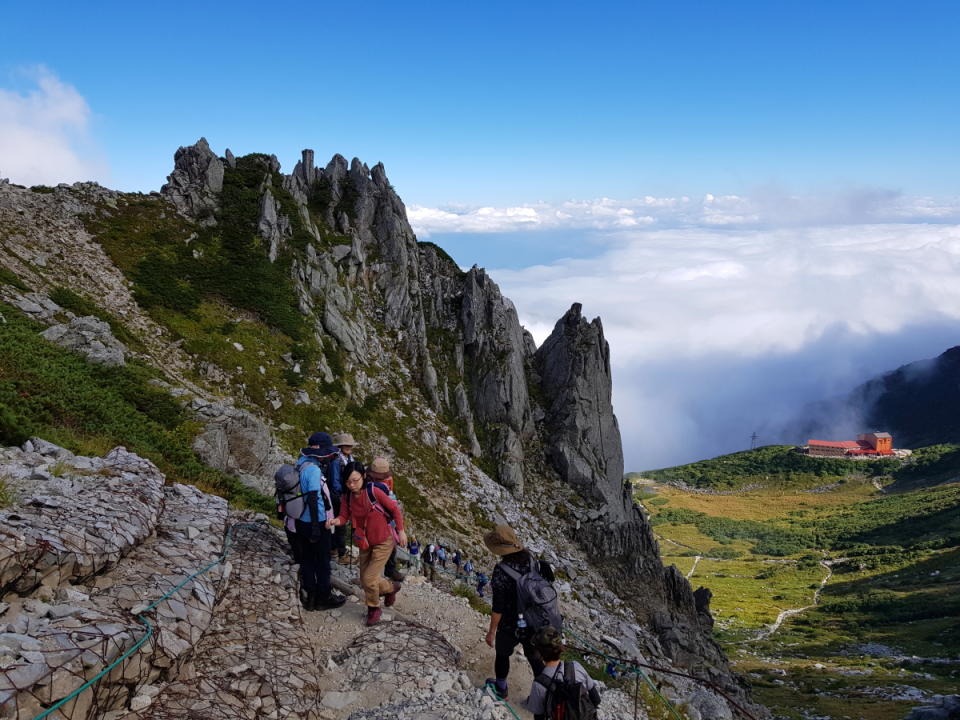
(862, 568)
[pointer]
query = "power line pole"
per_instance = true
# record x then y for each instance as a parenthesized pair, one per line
(753, 441)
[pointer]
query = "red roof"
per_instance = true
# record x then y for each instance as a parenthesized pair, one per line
(842, 444)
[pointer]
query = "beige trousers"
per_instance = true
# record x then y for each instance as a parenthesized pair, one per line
(372, 562)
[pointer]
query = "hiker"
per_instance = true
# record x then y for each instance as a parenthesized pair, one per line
(442, 556)
(563, 689)
(369, 508)
(379, 474)
(467, 570)
(457, 561)
(481, 583)
(429, 558)
(345, 444)
(312, 536)
(506, 629)
(414, 549)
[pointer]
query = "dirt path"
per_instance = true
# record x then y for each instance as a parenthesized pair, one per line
(764, 634)
(693, 567)
(418, 602)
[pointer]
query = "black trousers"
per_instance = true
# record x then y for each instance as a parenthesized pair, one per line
(314, 559)
(505, 642)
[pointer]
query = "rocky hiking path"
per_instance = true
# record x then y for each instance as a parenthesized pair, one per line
(177, 607)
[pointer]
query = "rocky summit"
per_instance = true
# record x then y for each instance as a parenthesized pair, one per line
(162, 354)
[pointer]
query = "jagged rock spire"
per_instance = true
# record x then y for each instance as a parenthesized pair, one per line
(583, 438)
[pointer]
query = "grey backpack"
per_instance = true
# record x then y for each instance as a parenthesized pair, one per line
(290, 501)
(536, 597)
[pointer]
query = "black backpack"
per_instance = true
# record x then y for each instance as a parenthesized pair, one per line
(536, 598)
(567, 698)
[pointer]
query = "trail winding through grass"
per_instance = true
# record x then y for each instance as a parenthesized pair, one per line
(784, 614)
(696, 559)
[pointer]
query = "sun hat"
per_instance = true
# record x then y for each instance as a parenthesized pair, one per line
(502, 541)
(379, 469)
(344, 438)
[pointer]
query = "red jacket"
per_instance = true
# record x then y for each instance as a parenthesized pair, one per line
(358, 510)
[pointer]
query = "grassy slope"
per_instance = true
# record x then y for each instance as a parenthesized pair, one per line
(895, 563)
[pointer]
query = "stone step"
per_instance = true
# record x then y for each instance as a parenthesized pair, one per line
(63, 635)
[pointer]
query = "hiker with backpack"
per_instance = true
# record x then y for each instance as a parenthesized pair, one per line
(370, 509)
(457, 562)
(306, 513)
(345, 444)
(378, 473)
(482, 581)
(524, 601)
(563, 690)
(414, 549)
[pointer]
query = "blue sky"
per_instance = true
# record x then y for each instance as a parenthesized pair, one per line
(738, 189)
(519, 102)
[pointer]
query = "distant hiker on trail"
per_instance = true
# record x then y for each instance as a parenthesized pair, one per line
(379, 475)
(508, 626)
(442, 556)
(429, 558)
(457, 561)
(312, 534)
(481, 583)
(563, 689)
(414, 549)
(345, 445)
(467, 570)
(370, 509)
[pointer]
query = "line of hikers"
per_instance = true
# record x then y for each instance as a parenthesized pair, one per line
(328, 488)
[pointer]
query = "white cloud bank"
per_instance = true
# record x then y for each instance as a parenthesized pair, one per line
(45, 133)
(765, 207)
(717, 332)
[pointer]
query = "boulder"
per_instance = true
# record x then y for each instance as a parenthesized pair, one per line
(88, 336)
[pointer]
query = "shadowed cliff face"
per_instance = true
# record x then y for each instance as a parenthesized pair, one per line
(582, 443)
(521, 412)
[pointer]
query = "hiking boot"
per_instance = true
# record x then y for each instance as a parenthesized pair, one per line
(373, 615)
(396, 576)
(390, 598)
(346, 560)
(330, 602)
(499, 688)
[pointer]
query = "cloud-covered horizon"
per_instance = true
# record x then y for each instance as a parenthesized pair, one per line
(767, 206)
(45, 132)
(718, 329)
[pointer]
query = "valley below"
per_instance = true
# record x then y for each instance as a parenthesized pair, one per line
(835, 584)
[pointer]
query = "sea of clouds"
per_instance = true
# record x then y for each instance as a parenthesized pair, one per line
(728, 315)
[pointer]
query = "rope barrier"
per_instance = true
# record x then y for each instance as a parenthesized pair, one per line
(635, 665)
(228, 541)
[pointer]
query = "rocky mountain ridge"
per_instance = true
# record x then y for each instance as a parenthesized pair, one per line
(423, 361)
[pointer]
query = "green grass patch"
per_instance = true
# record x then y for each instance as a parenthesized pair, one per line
(9, 277)
(772, 465)
(48, 391)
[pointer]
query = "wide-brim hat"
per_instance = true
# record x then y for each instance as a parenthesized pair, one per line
(379, 469)
(502, 540)
(344, 438)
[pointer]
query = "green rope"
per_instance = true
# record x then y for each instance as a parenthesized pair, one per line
(228, 541)
(497, 699)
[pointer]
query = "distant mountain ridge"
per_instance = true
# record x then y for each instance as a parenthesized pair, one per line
(916, 403)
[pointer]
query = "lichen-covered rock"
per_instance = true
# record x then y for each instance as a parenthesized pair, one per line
(88, 336)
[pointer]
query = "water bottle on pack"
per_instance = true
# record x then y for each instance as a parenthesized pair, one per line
(521, 627)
